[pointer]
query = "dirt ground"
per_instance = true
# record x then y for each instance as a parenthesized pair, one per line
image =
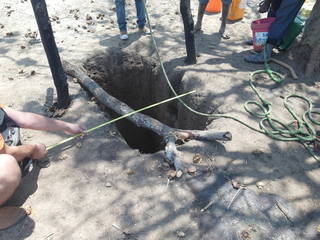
(103, 189)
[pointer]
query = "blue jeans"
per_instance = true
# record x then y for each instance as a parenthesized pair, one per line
(121, 14)
(285, 12)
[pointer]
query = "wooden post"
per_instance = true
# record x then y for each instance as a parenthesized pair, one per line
(50, 47)
(188, 31)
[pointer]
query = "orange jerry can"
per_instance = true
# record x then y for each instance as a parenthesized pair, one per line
(214, 6)
(236, 11)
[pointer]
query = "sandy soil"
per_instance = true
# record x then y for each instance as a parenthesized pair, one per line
(105, 190)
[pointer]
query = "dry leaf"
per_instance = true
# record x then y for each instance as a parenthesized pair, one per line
(192, 169)
(197, 158)
(130, 172)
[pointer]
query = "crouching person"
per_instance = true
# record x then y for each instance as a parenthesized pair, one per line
(15, 157)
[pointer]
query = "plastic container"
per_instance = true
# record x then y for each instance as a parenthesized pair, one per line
(294, 29)
(236, 11)
(214, 6)
(260, 29)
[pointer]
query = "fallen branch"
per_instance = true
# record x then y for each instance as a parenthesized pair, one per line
(293, 73)
(170, 135)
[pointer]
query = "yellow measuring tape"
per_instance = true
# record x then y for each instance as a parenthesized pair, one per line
(116, 119)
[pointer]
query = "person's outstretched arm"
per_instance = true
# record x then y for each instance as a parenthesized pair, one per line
(38, 122)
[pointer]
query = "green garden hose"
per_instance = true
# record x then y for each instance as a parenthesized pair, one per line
(304, 132)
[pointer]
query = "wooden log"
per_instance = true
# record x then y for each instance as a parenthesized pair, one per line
(170, 135)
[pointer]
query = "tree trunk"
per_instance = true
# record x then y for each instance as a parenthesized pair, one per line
(170, 135)
(309, 47)
(50, 47)
(188, 31)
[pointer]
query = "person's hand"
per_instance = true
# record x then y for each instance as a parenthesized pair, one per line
(39, 152)
(74, 128)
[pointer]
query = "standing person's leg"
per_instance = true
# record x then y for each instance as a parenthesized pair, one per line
(275, 4)
(225, 11)
(285, 14)
(201, 9)
(10, 176)
(121, 16)
(141, 16)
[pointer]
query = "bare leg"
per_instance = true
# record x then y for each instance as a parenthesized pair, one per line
(225, 12)
(10, 176)
(201, 11)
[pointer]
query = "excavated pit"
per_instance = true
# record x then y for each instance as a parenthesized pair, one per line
(138, 81)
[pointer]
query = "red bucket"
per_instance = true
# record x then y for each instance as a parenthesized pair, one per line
(260, 30)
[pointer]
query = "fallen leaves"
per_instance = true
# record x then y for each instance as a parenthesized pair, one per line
(130, 172)
(197, 158)
(192, 170)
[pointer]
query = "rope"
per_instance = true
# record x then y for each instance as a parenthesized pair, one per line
(117, 119)
(304, 133)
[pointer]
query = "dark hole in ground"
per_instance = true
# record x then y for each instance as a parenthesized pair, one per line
(138, 81)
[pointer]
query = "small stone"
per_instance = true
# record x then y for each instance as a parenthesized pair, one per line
(197, 158)
(88, 17)
(22, 47)
(192, 170)
(28, 210)
(260, 185)
(84, 27)
(235, 184)
(79, 145)
(33, 72)
(181, 234)
(131, 172)
(1, 26)
(21, 71)
(9, 34)
(63, 157)
(108, 185)
(179, 173)
(93, 99)
(11, 78)
(172, 174)
(75, 80)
